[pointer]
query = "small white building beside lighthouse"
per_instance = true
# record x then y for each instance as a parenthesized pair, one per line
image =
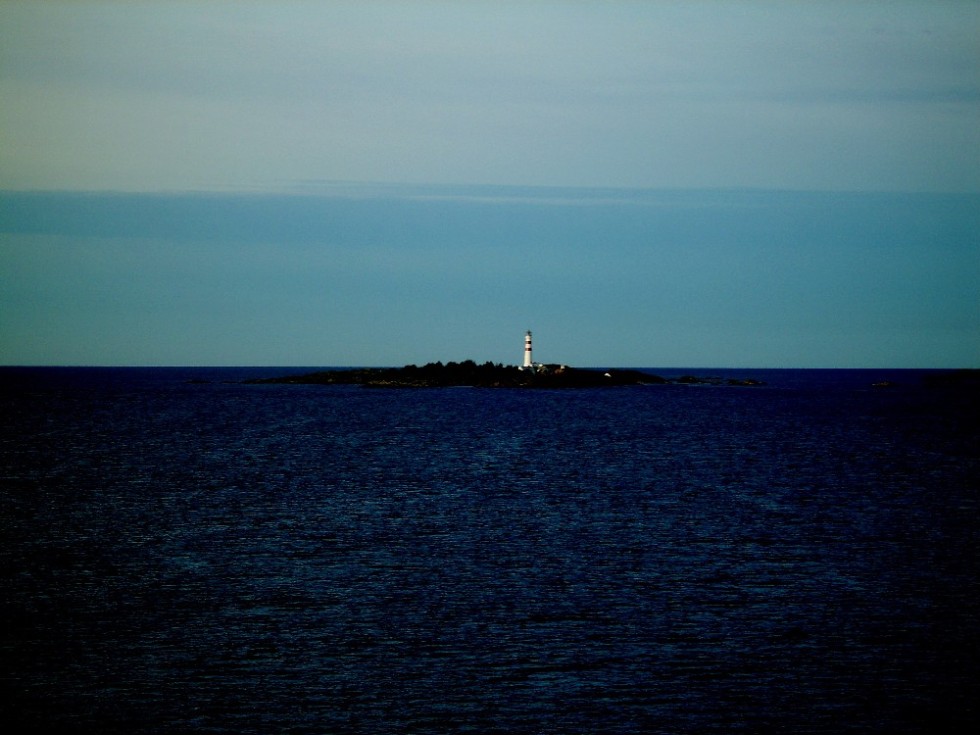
(527, 350)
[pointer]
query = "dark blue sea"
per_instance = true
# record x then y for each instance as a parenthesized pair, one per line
(183, 552)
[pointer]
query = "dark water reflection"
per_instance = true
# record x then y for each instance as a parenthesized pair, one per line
(248, 559)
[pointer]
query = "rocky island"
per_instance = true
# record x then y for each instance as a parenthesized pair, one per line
(489, 375)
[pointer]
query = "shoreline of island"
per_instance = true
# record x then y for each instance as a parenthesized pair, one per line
(489, 375)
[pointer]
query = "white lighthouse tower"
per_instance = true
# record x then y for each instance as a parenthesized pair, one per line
(527, 349)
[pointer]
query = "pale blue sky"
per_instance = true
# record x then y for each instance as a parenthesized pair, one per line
(642, 183)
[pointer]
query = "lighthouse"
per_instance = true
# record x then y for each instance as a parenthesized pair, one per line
(527, 349)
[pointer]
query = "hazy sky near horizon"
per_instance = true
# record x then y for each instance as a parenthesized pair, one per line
(411, 172)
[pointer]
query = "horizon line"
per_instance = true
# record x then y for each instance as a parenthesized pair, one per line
(379, 366)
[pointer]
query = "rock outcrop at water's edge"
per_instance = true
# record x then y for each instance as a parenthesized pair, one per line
(488, 375)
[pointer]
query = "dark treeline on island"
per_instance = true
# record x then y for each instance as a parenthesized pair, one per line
(490, 375)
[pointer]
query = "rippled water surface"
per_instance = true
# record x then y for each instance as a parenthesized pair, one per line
(226, 558)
